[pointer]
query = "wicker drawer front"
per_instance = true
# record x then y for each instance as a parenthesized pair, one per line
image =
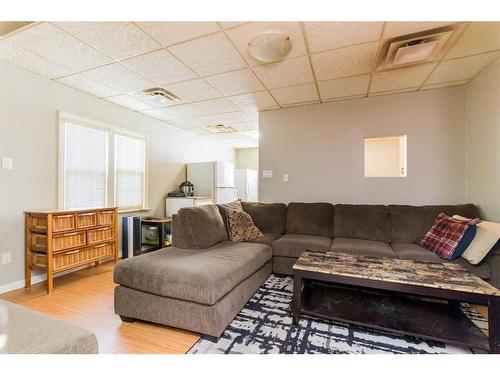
(106, 217)
(63, 222)
(75, 257)
(37, 223)
(68, 241)
(39, 241)
(100, 235)
(86, 220)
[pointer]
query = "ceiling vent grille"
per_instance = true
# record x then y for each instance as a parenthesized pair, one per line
(161, 95)
(219, 129)
(414, 49)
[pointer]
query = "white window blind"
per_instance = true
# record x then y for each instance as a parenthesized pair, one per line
(85, 166)
(129, 172)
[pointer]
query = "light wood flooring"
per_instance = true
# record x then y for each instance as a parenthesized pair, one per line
(85, 298)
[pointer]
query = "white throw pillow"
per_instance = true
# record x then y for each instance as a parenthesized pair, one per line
(487, 235)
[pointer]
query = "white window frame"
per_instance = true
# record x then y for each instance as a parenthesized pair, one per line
(110, 182)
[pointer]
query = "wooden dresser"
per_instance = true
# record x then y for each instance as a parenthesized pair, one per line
(58, 241)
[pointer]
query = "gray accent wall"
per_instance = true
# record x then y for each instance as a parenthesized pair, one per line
(321, 148)
(29, 108)
(483, 141)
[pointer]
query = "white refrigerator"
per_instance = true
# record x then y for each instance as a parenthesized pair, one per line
(214, 179)
(246, 182)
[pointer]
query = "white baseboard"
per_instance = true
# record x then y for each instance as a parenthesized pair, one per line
(20, 283)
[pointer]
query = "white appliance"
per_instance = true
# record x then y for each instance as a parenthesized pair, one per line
(213, 179)
(174, 204)
(246, 182)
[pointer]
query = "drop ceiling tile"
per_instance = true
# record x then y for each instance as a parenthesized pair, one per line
(446, 84)
(159, 67)
(158, 114)
(255, 101)
(296, 94)
(344, 87)
(344, 62)
(83, 83)
(380, 93)
(182, 111)
(462, 68)
(241, 35)
(115, 39)
(209, 55)
(214, 106)
(394, 29)
(479, 37)
(168, 33)
(247, 125)
(225, 118)
(193, 90)
(322, 36)
(236, 82)
(56, 45)
(129, 102)
(400, 78)
(119, 77)
(285, 73)
(17, 56)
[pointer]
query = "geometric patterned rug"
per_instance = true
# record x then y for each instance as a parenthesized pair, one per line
(264, 325)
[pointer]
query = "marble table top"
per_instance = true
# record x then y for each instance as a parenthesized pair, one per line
(446, 275)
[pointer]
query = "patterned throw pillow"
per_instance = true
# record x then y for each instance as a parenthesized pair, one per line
(446, 235)
(241, 227)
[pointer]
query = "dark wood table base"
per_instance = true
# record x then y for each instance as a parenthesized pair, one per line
(397, 312)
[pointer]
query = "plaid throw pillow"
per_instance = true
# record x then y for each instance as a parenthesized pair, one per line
(445, 236)
(241, 227)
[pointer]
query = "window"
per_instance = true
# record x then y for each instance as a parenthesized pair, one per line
(129, 172)
(87, 151)
(385, 156)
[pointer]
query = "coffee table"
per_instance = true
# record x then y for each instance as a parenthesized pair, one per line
(404, 297)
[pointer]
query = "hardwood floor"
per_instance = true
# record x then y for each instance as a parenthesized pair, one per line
(85, 298)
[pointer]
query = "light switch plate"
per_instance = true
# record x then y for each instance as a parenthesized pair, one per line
(7, 163)
(267, 173)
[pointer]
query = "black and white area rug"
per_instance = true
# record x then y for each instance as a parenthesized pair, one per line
(265, 326)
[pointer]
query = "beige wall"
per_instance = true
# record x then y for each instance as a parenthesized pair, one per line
(29, 108)
(320, 147)
(483, 141)
(247, 158)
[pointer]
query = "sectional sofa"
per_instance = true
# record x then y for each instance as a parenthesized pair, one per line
(204, 280)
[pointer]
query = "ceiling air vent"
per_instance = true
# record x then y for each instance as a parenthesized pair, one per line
(160, 95)
(419, 48)
(219, 128)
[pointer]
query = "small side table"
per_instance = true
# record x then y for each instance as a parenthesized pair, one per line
(161, 224)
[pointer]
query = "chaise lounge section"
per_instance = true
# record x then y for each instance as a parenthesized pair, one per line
(204, 280)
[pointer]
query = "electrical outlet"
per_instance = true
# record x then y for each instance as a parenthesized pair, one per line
(6, 258)
(285, 177)
(7, 163)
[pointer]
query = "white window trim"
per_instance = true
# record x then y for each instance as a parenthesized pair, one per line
(111, 183)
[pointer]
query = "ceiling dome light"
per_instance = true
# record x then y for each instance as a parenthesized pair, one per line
(270, 47)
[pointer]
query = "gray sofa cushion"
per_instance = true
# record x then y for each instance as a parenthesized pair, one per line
(292, 245)
(30, 332)
(201, 276)
(415, 252)
(315, 219)
(410, 223)
(362, 247)
(482, 270)
(368, 222)
(202, 226)
(268, 217)
(268, 238)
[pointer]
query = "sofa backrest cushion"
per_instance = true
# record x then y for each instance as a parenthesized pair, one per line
(315, 219)
(411, 223)
(268, 217)
(368, 222)
(201, 226)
